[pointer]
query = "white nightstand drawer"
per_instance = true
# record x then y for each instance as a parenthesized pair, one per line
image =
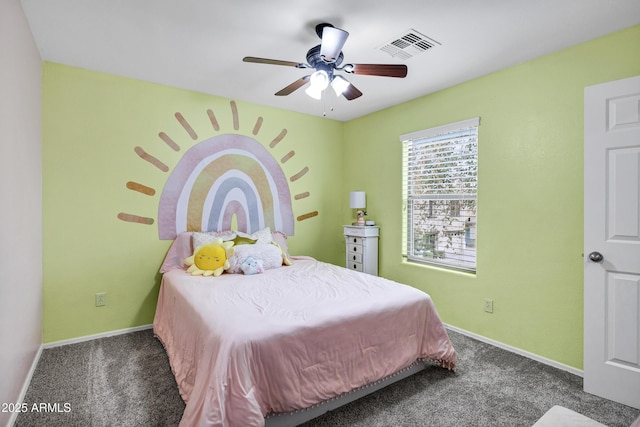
(354, 240)
(353, 257)
(354, 266)
(354, 249)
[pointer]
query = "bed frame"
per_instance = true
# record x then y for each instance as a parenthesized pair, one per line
(291, 419)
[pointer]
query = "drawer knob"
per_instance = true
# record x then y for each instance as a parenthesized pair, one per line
(355, 240)
(355, 248)
(354, 257)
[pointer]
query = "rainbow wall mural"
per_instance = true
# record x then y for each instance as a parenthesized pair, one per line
(222, 177)
(225, 181)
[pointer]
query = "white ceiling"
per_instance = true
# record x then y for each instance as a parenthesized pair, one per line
(199, 44)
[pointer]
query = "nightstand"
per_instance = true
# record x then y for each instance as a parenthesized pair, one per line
(362, 248)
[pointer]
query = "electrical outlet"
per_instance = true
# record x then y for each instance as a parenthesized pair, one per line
(488, 305)
(101, 299)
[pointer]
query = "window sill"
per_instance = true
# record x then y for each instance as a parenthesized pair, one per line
(439, 268)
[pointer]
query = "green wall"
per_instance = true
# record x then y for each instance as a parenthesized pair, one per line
(530, 194)
(529, 207)
(91, 124)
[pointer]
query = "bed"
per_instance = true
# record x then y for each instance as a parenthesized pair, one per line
(296, 339)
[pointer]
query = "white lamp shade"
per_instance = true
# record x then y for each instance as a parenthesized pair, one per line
(319, 80)
(358, 199)
(339, 85)
(313, 92)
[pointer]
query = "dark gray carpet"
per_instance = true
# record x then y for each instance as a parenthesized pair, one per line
(126, 381)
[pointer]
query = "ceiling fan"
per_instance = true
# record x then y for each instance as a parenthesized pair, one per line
(326, 59)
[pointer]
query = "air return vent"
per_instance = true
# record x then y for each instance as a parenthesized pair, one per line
(408, 45)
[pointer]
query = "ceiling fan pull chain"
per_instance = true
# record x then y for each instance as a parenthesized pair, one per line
(324, 105)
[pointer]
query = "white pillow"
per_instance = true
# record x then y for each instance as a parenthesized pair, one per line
(270, 255)
(260, 236)
(200, 238)
(280, 238)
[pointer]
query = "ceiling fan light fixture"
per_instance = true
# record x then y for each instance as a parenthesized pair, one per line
(339, 85)
(314, 92)
(319, 80)
(326, 59)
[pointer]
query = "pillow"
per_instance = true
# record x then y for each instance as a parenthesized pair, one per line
(239, 238)
(260, 236)
(244, 239)
(281, 239)
(270, 255)
(200, 238)
(180, 249)
(210, 259)
(252, 266)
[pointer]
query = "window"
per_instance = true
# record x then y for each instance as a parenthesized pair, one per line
(440, 168)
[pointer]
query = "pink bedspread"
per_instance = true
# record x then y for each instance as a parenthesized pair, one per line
(243, 346)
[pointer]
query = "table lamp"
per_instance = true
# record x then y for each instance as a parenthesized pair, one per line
(358, 200)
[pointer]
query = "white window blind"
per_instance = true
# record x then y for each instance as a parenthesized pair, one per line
(439, 193)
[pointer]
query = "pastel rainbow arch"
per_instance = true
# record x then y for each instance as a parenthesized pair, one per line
(221, 178)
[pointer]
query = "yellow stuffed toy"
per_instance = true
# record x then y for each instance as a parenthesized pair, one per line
(210, 259)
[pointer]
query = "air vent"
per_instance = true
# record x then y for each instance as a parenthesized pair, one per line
(408, 45)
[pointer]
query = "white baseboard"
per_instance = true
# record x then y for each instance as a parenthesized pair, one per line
(25, 385)
(519, 351)
(96, 336)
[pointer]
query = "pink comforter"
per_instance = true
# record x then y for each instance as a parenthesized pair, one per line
(243, 346)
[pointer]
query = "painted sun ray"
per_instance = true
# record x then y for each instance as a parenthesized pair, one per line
(307, 216)
(135, 218)
(299, 175)
(257, 126)
(186, 126)
(140, 188)
(149, 158)
(301, 195)
(234, 113)
(287, 156)
(213, 120)
(278, 138)
(170, 142)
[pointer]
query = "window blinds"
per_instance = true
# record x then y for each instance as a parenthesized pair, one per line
(439, 193)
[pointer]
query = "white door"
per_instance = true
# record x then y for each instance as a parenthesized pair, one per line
(612, 241)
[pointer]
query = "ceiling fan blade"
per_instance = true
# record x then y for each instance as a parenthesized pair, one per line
(333, 39)
(293, 86)
(351, 92)
(384, 70)
(271, 61)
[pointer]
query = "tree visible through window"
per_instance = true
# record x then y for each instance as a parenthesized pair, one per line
(439, 191)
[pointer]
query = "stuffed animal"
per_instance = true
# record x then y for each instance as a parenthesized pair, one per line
(252, 266)
(210, 259)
